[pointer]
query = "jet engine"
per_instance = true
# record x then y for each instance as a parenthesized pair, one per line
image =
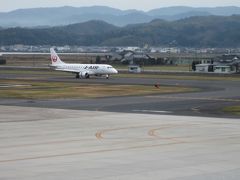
(84, 75)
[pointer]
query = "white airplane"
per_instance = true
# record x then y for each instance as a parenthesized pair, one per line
(81, 70)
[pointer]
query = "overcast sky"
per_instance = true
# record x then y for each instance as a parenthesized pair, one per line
(8, 5)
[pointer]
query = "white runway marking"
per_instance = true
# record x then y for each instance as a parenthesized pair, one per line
(195, 98)
(152, 111)
(14, 85)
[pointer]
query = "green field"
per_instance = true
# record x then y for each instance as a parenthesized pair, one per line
(232, 109)
(29, 89)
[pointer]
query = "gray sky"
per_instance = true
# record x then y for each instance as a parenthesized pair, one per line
(8, 5)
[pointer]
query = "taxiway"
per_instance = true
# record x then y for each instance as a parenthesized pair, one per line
(209, 102)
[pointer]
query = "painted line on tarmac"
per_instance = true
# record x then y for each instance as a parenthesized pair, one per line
(14, 85)
(152, 111)
(193, 98)
(100, 134)
(152, 133)
(87, 152)
(196, 109)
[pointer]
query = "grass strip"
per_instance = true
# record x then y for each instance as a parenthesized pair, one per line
(60, 90)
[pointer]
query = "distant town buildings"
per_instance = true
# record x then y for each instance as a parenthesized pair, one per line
(221, 64)
(201, 59)
(145, 49)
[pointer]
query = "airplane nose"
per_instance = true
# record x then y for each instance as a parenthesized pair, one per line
(115, 71)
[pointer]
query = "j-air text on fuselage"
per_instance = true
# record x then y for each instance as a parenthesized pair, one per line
(81, 70)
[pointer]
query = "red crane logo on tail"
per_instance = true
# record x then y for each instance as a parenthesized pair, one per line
(54, 58)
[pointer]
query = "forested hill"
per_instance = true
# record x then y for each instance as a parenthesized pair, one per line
(210, 31)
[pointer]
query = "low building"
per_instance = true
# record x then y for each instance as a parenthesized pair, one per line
(227, 64)
(130, 57)
(134, 69)
(227, 69)
(224, 69)
(223, 64)
(204, 68)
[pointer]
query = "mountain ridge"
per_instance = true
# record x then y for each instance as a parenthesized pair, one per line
(68, 15)
(188, 32)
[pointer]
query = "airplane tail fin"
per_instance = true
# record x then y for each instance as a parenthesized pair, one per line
(54, 58)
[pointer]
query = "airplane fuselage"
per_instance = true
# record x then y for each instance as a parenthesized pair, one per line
(81, 70)
(84, 70)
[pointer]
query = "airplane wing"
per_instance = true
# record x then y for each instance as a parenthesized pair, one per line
(74, 71)
(68, 70)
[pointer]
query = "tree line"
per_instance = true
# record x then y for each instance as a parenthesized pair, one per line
(210, 31)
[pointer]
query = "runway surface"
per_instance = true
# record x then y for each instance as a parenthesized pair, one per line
(215, 95)
(167, 137)
(40, 143)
